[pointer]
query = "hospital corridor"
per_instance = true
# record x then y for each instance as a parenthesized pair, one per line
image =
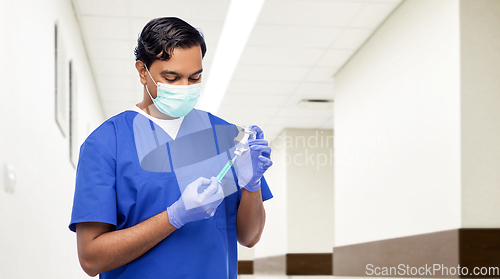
(238, 139)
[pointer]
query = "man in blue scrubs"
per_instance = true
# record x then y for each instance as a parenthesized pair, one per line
(146, 202)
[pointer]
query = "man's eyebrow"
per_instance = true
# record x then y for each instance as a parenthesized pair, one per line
(168, 72)
(197, 72)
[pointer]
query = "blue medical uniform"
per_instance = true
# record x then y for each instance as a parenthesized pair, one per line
(129, 170)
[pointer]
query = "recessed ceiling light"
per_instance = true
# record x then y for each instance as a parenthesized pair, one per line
(315, 104)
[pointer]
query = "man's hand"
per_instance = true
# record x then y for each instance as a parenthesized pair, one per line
(196, 204)
(253, 163)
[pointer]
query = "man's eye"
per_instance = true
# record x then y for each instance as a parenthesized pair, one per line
(195, 78)
(170, 79)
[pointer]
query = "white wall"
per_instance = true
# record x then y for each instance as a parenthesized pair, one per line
(34, 239)
(480, 96)
(300, 216)
(309, 190)
(397, 127)
(244, 253)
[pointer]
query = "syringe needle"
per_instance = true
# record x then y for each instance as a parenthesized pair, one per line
(226, 168)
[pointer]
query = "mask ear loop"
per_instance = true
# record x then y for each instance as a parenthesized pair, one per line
(150, 75)
(147, 89)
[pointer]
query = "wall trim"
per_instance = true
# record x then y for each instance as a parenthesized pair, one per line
(468, 248)
(309, 264)
(245, 267)
(295, 264)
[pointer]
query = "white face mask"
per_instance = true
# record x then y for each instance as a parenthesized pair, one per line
(175, 100)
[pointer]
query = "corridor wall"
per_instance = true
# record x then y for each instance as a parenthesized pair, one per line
(397, 125)
(298, 237)
(35, 241)
(417, 124)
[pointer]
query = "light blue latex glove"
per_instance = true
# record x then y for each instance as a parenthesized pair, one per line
(253, 163)
(196, 203)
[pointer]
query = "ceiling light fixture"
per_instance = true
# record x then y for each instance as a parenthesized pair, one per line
(239, 22)
(315, 104)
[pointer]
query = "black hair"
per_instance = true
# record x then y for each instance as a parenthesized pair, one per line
(162, 35)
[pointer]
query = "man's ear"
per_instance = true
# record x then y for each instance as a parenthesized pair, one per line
(141, 69)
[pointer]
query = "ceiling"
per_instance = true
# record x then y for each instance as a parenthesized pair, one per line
(293, 53)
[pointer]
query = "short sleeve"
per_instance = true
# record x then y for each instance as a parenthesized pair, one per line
(264, 188)
(95, 190)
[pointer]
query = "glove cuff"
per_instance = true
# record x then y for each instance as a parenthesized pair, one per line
(253, 187)
(173, 218)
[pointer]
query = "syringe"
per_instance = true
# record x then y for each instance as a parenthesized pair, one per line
(226, 168)
(241, 146)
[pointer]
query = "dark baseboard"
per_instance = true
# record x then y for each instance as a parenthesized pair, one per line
(480, 247)
(245, 267)
(468, 248)
(309, 264)
(295, 264)
(450, 249)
